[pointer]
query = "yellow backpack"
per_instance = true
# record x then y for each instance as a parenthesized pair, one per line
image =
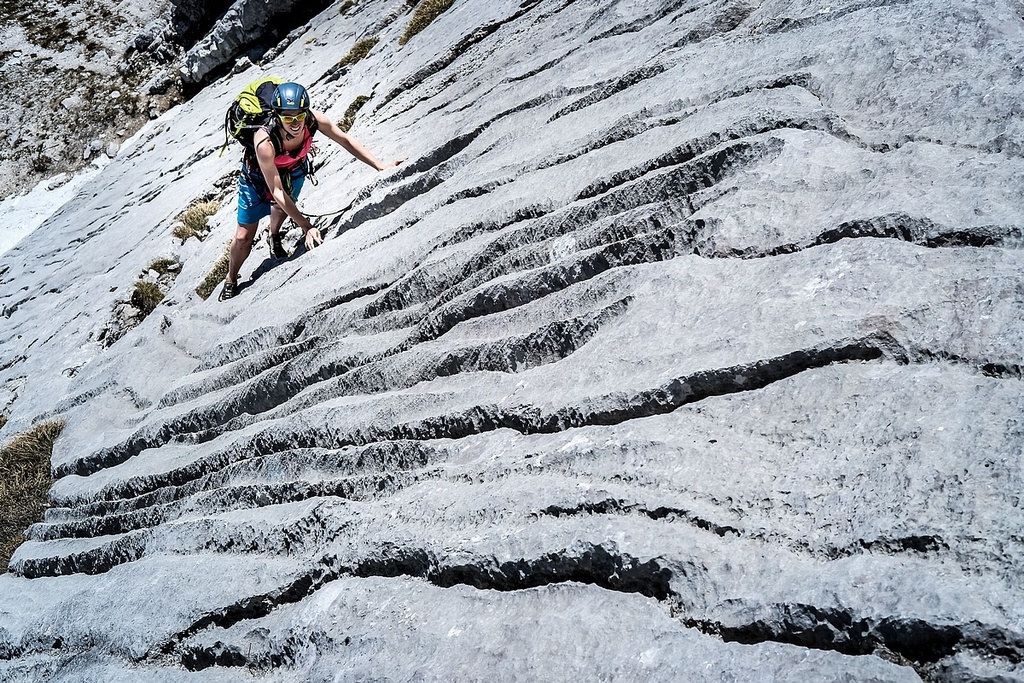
(250, 111)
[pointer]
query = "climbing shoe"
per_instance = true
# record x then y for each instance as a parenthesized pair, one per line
(229, 291)
(276, 248)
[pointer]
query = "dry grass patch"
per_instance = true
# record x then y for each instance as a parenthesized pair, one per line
(349, 119)
(192, 223)
(215, 276)
(25, 482)
(146, 296)
(358, 51)
(426, 11)
(163, 265)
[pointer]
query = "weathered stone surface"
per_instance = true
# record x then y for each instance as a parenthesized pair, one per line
(686, 346)
(245, 24)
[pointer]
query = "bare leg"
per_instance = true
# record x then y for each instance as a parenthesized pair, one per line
(277, 216)
(241, 245)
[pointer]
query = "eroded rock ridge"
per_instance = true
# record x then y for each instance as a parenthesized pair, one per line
(686, 346)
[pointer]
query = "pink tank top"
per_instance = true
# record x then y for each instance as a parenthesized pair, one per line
(291, 160)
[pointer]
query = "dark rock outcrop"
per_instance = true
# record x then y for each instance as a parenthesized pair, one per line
(246, 28)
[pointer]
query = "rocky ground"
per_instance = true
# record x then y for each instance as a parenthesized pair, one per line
(79, 77)
(686, 346)
(73, 85)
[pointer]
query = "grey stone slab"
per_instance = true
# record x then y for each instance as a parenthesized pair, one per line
(685, 346)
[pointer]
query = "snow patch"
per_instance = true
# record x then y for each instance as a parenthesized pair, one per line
(22, 214)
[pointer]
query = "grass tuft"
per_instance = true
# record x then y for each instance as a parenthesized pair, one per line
(426, 11)
(215, 276)
(192, 223)
(163, 265)
(146, 296)
(25, 482)
(349, 119)
(358, 51)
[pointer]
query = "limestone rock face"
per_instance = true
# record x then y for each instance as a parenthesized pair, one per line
(686, 346)
(245, 24)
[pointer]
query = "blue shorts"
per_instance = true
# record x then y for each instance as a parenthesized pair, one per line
(254, 198)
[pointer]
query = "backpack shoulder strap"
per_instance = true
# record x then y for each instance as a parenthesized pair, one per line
(249, 157)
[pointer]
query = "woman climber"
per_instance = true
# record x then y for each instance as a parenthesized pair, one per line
(272, 177)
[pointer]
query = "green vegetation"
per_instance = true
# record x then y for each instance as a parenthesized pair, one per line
(146, 296)
(192, 223)
(214, 277)
(24, 483)
(358, 51)
(426, 11)
(349, 119)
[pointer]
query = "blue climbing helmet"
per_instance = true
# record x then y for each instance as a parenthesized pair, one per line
(290, 96)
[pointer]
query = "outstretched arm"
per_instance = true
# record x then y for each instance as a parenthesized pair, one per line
(353, 146)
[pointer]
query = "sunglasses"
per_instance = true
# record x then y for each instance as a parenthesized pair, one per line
(290, 119)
